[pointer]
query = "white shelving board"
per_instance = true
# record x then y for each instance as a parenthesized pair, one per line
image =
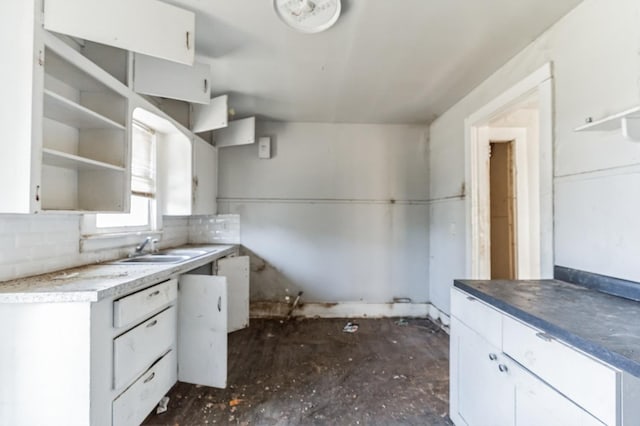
(61, 109)
(627, 121)
(55, 158)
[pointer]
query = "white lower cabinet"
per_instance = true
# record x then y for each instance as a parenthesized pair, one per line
(484, 390)
(537, 403)
(528, 379)
(202, 333)
(108, 363)
(236, 270)
(138, 348)
(131, 408)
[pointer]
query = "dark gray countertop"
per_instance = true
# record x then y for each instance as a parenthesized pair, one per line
(605, 326)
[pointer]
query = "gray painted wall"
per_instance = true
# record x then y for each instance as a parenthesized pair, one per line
(594, 51)
(339, 212)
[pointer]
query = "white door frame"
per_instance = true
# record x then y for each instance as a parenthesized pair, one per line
(477, 141)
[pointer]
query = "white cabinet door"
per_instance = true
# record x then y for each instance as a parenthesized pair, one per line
(482, 387)
(238, 132)
(205, 178)
(21, 107)
(151, 27)
(202, 330)
(210, 117)
(158, 77)
(236, 270)
(539, 404)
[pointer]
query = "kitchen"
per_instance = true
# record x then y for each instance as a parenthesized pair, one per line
(365, 198)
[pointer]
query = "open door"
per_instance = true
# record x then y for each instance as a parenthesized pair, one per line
(236, 270)
(202, 330)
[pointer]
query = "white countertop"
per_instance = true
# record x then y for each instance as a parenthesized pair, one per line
(91, 283)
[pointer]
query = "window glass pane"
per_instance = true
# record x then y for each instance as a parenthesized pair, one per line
(139, 216)
(143, 170)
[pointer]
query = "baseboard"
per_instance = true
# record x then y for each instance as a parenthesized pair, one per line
(346, 310)
(439, 317)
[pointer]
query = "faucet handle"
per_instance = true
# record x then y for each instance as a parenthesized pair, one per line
(154, 241)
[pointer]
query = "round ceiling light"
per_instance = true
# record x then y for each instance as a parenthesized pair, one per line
(308, 16)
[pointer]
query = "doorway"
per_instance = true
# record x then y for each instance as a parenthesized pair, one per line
(502, 196)
(517, 126)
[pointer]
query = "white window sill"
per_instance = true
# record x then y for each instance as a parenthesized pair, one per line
(95, 242)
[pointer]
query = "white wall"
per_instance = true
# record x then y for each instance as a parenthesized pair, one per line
(594, 51)
(339, 212)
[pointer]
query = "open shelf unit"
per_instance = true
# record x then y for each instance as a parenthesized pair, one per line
(85, 146)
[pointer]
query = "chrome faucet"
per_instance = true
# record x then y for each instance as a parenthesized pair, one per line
(140, 247)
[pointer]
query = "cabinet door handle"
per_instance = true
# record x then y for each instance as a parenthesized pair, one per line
(544, 336)
(503, 368)
(150, 378)
(206, 85)
(37, 192)
(152, 323)
(188, 40)
(155, 293)
(219, 303)
(471, 299)
(493, 357)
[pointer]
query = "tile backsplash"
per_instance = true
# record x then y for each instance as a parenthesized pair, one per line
(37, 244)
(220, 229)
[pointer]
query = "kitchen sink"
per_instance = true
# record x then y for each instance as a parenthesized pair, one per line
(156, 258)
(184, 252)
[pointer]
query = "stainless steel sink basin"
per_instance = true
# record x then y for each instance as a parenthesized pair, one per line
(174, 255)
(184, 252)
(156, 258)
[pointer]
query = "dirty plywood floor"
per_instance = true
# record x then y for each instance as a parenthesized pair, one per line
(309, 372)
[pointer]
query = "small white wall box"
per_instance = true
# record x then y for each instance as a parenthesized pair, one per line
(264, 147)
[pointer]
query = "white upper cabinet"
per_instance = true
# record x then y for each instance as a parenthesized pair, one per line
(65, 120)
(150, 27)
(210, 117)
(158, 77)
(205, 177)
(238, 132)
(21, 76)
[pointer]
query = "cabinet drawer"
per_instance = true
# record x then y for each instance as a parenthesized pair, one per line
(478, 316)
(138, 305)
(586, 381)
(136, 403)
(135, 350)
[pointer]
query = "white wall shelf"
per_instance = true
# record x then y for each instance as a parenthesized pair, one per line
(61, 109)
(51, 157)
(627, 121)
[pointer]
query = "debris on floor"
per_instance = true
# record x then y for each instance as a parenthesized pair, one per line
(294, 305)
(350, 327)
(310, 372)
(402, 322)
(234, 402)
(163, 405)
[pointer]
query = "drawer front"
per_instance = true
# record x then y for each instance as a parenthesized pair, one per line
(136, 306)
(478, 316)
(138, 348)
(136, 403)
(537, 404)
(586, 381)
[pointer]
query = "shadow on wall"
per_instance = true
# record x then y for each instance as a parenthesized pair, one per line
(268, 284)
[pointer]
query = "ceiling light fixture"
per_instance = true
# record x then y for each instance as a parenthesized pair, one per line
(308, 16)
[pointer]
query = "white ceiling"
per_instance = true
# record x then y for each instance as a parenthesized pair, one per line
(385, 61)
